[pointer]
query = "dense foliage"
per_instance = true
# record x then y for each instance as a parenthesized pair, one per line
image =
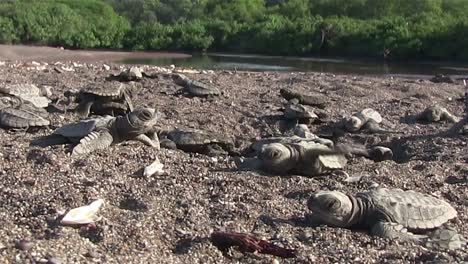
(398, 29)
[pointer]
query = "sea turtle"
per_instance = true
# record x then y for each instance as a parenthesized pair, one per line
(194, 88)
(104, 98)
(437, 113)
(16, 113)
(359, 119)
(367, 120)
(196, 141)
(28, 92)
(295, 111)
(99, 132)
(306, 158)
(441, 78)
(388, 213)
(303, 131)
(304, 99)
(133, 73)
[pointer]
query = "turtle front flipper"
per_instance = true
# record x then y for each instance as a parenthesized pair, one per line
(84, 108)
(93, 141)
(154, 142)
(49, 140)
(395, 231)
(245, 164)
(128, 100)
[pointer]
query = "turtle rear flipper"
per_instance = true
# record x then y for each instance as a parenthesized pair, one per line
(445, 238)
(93, 141)
(395, 231)
(152, 142)
(84, 108)
(49, 140)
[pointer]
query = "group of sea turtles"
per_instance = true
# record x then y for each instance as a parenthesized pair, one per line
(110, 117)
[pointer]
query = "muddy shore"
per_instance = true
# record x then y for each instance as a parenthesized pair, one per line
(53, 54)
(167, 219)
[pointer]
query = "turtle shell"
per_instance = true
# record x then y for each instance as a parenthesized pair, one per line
(200, 89)
(83, 127)
(21, 89)
(105, 89)
(413, 210)
(298, 111)
(27, 92)
(190, 138)
(18, 118)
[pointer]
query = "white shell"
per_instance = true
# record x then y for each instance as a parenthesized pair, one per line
(83, 215)
(154, 168)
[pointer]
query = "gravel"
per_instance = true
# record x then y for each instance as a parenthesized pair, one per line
(168, 218)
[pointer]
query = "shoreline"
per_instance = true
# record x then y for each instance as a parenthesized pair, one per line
(52, 54)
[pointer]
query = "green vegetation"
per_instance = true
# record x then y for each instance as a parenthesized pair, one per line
(394, 29)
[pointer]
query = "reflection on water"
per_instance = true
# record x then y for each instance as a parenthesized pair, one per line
(220, 61)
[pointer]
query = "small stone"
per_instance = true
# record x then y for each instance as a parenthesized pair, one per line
(54, 260)
(91, 254)
(23, 244)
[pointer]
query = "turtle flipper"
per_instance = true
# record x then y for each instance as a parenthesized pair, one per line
(445, 238)
(395, 231)
(84, 108)
(128, 100)
(49, 140)
(93, 141)
(248, 163)
(152, 142)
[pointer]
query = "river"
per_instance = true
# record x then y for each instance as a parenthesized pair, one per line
(223, 61)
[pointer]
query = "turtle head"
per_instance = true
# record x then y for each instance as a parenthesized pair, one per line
(133, 89)
(353, 124)
(179, 79)
(142, 119)
(331, 207)
(9, 101)
(277, 158)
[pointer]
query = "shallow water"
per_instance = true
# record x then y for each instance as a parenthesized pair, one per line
(221, 61)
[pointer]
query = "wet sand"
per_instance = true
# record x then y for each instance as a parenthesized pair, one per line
(51, 54)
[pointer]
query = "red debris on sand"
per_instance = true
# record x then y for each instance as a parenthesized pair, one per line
(249, 243)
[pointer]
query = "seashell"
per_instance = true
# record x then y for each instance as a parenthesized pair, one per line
(83, 215)
(154, 168)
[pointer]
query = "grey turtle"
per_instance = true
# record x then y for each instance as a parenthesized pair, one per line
(133, 73)
(16, 113)
(305, 158)
(359, 119)
(28, 92)
(101, 131)
(104, 98)
(368, 120)
(305, 99)
(197, 142)
(295, 111)
(194, 88)
(437, 113)
(389, 213)
(441, 78)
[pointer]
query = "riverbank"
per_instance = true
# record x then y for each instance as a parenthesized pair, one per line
(168, 218)
(51, 54)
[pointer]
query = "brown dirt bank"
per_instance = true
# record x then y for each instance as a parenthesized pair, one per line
(50, 54)
(166, 219)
